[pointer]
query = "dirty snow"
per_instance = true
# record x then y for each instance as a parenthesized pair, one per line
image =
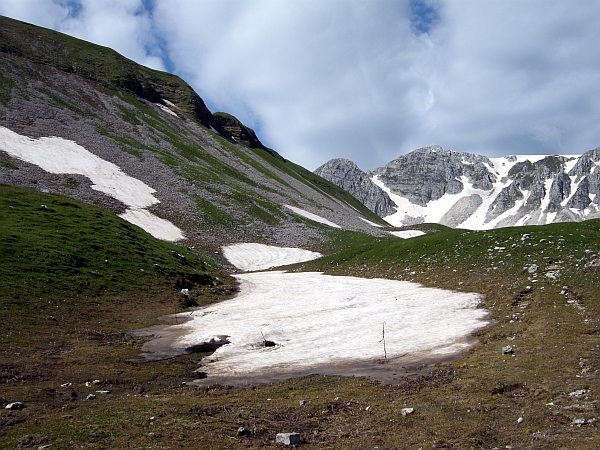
(312, 216)
(320, 321)
(407, 234)
(57, 155)
(251, 256)
(166, 109)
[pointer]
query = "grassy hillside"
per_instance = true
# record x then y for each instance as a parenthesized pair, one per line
(102, 100)
(73, 330)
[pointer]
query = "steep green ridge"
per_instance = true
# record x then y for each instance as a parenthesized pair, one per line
(229, 182)
(99, 64)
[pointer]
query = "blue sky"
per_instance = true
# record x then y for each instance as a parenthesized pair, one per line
(367, 80)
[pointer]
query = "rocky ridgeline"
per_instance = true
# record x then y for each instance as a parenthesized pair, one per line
(348, 176)
(214, 178)
(476, 191)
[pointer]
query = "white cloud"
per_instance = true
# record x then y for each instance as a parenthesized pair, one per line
(123, 25)
(368, 80)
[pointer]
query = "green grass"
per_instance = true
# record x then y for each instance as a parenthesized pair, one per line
(71, 250)
(6, 86)
(74, 330)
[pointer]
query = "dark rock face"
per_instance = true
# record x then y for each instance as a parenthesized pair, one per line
(231, 128)
(349, 177)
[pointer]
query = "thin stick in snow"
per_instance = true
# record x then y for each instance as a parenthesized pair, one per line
(383, 340)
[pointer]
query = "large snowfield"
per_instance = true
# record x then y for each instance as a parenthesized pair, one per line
(57, 155)
(325, 324)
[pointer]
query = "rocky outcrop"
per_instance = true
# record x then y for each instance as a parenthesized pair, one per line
(428, 173)
(231, 128)
(465, 190)
(461, 210)
(348, 176)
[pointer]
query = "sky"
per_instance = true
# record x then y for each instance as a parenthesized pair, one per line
(367, 80)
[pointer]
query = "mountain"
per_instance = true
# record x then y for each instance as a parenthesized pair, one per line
(348, 176)
(206, 177)
(464, 190)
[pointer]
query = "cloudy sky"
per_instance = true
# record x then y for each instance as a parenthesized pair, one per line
(367, 80)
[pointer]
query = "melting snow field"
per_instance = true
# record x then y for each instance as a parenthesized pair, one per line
(407, 234)
(57, 155)
(326, 324)
(250, 256)
(312, 216)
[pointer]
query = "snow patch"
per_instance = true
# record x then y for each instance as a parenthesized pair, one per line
(57, 155)
(373, 224)
(251, 256)
(312, 216)
(316, 320)
(407, 234)
(167, 110)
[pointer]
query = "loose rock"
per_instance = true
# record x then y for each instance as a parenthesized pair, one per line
(407, 411)
(15, 406)
(243, 432)
(288, 438)
(508, 350)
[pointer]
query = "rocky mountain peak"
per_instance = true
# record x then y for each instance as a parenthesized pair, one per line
(347, 175)
(465, 190)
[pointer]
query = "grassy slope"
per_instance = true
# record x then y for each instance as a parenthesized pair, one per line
(472, 403)
(96, 63)
(120, 75)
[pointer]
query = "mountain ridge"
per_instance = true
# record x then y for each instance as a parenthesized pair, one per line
(465, 190)
(213, 177)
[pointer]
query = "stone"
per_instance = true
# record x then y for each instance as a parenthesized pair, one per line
(407, 411)
(15, 406)
(508, 350)
(520, 420)
(554, 275)
(288, 438)
(91, 397)
(532, 268)
(578, 392)
(579, 421)
(243, 432)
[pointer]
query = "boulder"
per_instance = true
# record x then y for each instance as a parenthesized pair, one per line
(288, 438)
(15, 406)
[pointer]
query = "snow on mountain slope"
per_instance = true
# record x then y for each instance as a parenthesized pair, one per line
(462, 190)
(57, 155)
